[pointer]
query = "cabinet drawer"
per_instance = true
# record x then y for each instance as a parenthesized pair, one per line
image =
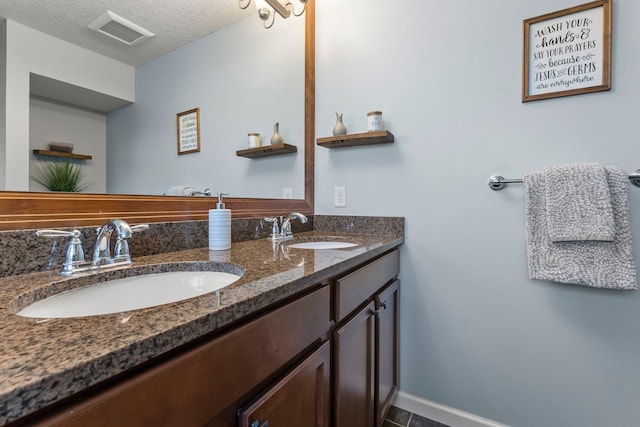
(194, 387)
(358, 286)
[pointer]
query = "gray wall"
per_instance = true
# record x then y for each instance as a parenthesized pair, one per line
(476, 333)
(244, 79)
(86, 130)
(32, 52)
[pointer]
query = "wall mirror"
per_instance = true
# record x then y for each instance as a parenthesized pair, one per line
(23, 210)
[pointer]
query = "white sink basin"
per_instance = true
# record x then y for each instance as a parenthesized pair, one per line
(130, 293)
(322, 245)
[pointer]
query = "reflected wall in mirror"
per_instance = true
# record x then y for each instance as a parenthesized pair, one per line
(30, 210)
(243, 78)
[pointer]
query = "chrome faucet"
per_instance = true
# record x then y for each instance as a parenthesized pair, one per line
(284, 231)
(102, 253)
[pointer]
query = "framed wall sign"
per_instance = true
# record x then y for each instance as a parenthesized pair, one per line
(189, 131)
(567, 52)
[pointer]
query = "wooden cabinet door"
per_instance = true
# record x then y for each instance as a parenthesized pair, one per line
(386, 350)
(301, 398)
(354, 370)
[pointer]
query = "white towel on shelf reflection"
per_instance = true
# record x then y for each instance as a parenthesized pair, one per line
(180, 190)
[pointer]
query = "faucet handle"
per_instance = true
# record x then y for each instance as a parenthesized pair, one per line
(121, 249)
(275, 228)
(57, 233)
(139, 227)
(75, 253)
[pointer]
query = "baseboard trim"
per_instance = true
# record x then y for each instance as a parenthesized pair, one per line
(441, 413)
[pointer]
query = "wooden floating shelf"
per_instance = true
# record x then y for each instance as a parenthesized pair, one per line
(267, 150)
(367, 138)
(62, 154)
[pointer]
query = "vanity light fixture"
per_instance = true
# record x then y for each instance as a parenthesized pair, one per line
(267, 9)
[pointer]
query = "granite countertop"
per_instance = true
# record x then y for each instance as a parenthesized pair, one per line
(43, 361)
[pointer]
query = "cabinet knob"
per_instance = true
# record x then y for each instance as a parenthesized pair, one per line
(257, 423)
(384, 305)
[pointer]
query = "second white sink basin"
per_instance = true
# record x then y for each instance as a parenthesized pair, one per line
(129, 293)
(322, 245)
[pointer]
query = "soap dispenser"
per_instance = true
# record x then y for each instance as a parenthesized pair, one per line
(219, 226)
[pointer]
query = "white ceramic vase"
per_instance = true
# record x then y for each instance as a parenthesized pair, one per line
(276, 138)
(339, 128)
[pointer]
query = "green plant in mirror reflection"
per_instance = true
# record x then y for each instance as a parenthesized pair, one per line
(61, 175)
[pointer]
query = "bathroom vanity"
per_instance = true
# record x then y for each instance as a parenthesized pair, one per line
(305, 337)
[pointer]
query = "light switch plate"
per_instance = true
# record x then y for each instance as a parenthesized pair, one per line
(340, 196)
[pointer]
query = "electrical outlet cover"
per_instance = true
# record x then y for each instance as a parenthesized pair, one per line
(340, 197)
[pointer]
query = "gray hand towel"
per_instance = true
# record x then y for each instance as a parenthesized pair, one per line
(599, 264)
(578, 203)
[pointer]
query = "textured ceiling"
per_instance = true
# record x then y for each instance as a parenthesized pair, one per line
(174, 22)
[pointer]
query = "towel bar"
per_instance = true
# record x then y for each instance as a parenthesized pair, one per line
(496, 182)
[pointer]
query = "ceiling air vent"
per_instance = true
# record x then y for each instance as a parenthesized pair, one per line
(120, 29)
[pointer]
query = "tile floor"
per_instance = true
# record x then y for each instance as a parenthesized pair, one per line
(400, 418)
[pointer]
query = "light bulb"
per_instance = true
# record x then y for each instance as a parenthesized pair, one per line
(264, 12)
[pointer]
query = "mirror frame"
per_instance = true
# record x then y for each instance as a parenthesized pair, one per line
(28, 210)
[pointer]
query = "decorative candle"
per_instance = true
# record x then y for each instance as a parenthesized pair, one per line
(374, 121)
(254, 140)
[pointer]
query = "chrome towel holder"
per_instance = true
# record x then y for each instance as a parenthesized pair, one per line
(497, 182)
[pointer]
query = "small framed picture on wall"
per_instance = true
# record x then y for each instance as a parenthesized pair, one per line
(189, 131)
(567, 52)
